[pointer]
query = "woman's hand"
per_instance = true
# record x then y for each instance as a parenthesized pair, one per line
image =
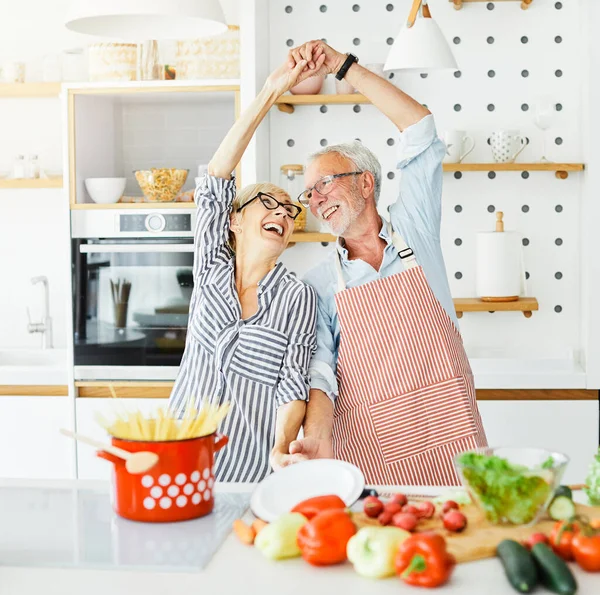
(321, 58)
(300, 450)
(288, 76)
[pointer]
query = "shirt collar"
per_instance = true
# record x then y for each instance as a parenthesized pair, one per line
(272, 279)
(385, 233)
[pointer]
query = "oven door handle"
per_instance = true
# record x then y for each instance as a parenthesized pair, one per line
(98, 248)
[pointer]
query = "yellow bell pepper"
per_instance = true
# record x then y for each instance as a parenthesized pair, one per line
(277, 540)
(372, 550)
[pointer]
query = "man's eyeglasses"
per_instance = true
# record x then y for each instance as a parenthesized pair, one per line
(323, 186)
(271, 203)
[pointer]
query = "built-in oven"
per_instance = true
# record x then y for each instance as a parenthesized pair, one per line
(132, 284)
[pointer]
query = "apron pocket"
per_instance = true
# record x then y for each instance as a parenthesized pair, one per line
(259, 354)
(421, 420)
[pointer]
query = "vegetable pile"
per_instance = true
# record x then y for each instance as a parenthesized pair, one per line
(507, 492)
(541, 558)
(321, 530)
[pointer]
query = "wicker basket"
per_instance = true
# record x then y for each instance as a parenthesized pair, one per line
(112, 61)
(210, 57)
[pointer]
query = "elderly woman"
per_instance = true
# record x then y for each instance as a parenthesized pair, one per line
(251, 331)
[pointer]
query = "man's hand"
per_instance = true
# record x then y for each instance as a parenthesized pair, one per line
(289, 75)
(320, 58)
(302, 450)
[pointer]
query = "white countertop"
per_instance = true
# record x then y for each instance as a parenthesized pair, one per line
(33, 366)
(237, 568)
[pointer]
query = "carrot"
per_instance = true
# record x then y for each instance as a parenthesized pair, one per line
(258, 525)
(244, 532)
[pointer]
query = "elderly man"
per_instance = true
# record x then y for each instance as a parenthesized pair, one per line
(391, 387)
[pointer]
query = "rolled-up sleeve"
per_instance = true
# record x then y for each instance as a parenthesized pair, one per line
(294, 376)
(324, 362)
(214, 197)
(420, 156)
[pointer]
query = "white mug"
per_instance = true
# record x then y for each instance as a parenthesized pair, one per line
(506, 145)
(455, 145)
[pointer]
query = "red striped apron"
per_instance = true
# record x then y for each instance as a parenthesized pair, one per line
(406, 398)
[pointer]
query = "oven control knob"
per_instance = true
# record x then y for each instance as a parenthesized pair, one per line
(155, 222)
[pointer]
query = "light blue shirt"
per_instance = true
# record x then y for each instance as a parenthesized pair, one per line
(416, 216)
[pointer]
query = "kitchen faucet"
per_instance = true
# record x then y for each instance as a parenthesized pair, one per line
(44, 327)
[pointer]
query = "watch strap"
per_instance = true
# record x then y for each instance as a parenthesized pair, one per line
(341, 73)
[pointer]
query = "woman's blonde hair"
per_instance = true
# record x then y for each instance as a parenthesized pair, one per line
(248, 192)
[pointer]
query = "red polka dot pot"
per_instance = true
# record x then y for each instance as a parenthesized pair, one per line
(178, 488)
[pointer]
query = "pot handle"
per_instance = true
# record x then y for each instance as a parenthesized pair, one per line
(110, 458)
(220, 441)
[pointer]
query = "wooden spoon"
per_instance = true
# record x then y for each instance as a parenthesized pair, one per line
(135, 462)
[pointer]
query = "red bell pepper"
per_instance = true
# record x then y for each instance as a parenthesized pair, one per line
(323, 540)
(423, 560)
(313, 506)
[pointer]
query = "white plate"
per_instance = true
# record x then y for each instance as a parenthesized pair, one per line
(282, 490)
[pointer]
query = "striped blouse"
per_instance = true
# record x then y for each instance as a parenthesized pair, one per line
(256, 364)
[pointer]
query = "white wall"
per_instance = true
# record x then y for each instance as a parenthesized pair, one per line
(529, 205)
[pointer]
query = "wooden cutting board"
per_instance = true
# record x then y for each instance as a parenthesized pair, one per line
(480, 539)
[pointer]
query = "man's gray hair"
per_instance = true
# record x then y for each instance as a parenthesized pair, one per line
(363, 159)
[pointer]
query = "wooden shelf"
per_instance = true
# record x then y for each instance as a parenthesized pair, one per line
(135, 205)
(51, 182)
(286, 103)
(458, 3)
(30, 89)
(310, 236)
(525, 304)
(561, 169)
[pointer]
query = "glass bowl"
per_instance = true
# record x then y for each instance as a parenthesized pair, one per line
(511, 486)
(161, 184)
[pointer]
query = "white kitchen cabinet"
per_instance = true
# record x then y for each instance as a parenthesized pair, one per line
(89, 466)
(570, 427)
(30, 442)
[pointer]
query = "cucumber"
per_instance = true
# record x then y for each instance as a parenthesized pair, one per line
(554, 572)
(519, 565)
(561, 508)
(563, 491)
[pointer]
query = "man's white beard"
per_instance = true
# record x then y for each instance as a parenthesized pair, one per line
(349, 215)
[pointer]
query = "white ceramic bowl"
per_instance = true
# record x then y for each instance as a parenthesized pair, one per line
(105, 190)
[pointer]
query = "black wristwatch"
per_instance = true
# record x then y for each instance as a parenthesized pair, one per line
(341, 73)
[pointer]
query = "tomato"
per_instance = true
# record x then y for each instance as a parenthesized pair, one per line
(536, 538)
(586, 551)
(455, 521)
(449, 505)
(392, 507)
(425, 509)
(385, 518)
(405, 520)
(410, 509)
(400, 499)
(373, 506)
(561, 538)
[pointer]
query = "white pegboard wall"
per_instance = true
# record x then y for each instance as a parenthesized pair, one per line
(508, 58)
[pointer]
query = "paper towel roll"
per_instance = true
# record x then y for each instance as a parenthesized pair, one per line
(499, 270)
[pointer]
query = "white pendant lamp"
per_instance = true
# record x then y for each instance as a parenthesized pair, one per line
(134, 20)
(231, 8)
(420, 45)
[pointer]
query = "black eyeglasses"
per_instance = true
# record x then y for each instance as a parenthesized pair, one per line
(323, 186)
(271, 203)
